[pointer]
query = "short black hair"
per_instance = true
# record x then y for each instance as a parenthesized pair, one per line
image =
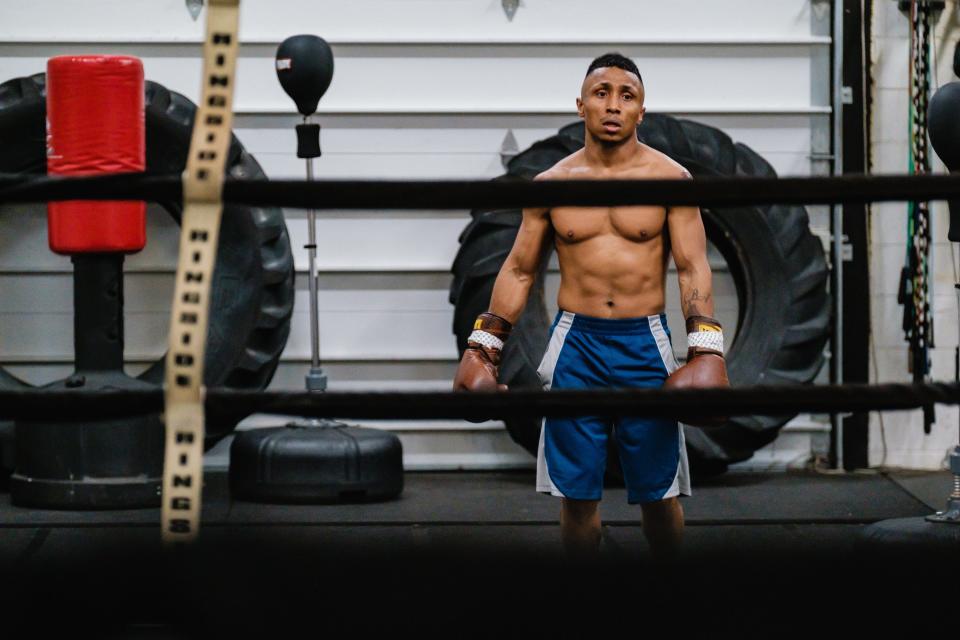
(614, 59)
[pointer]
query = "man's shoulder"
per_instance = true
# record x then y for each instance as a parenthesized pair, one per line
(564, 168)
(661, 165)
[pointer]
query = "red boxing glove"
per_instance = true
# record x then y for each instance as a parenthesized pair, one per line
(480, 363)
(705, 367)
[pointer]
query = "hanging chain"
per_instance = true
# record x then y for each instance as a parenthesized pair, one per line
(918, 321)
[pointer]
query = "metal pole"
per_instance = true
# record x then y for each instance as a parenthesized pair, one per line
(836, 359)
(316, 379)
(312, 278)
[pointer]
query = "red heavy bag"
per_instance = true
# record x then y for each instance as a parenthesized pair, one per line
(95, 125)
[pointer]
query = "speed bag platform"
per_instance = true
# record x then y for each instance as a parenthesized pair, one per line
(310, 464)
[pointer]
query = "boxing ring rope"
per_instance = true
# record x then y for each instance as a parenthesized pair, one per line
(41, 404)
(454, 194)
(469, 194)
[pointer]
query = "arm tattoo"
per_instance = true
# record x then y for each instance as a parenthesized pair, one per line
(690, 306)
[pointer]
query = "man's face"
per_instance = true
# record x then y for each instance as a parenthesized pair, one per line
(611, 104)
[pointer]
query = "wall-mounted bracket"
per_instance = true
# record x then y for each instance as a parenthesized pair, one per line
(508, 148)
(194, 7)
(821, 9)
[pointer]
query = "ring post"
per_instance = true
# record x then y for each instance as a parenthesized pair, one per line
(836, 223)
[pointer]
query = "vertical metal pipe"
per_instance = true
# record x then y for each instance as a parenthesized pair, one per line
(312, 278)
(836, 359)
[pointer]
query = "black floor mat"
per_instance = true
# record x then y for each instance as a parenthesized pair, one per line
(510, 498)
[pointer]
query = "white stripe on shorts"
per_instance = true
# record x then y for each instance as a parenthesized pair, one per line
(681, 481)
(663, 344)
(545, 371)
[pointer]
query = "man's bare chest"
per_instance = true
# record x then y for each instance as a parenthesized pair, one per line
(636, 224)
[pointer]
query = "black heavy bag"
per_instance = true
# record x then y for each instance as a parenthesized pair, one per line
(330, 463)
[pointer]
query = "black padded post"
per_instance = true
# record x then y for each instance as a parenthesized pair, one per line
(98, 311)
(308, 140)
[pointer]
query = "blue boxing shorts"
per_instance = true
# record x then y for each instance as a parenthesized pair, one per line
(584, 353)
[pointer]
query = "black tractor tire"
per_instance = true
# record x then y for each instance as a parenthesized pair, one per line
(253, 287)
(777, 264)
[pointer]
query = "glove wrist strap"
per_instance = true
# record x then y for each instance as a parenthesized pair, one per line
(490, 331)
(704, 335)
(693, 352)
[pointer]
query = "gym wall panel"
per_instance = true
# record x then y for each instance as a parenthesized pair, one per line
(347, 241)
(479, 133)
(350, 335)
(362, 317)
(272, 138)
(406, 148)
(417, 165)
(426, 89)
(489, 78)
(417, 21)
(388, 166)
(348, 375)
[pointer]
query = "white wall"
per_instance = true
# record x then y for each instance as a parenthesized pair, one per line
(897, 439)
(422, 89)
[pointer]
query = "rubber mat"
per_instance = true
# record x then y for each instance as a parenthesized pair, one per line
(474, 497)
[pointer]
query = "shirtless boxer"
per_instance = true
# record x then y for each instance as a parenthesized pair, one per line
(611, 329)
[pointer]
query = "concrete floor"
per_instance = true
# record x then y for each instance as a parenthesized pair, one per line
(478, 555)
